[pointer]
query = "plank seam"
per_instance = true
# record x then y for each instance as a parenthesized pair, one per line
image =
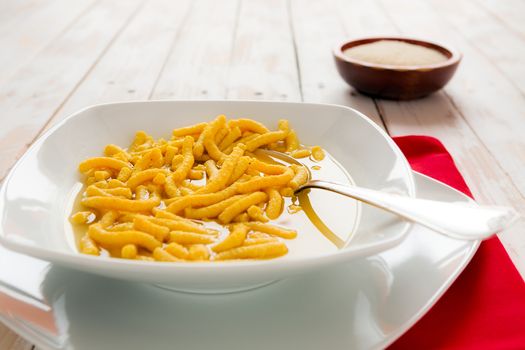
(295, 50)
(499, 19)
(171, 48)
(232, 48)
(388, 16)
(493, 156)
(381, 114)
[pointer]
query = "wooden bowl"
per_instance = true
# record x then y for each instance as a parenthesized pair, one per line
(396, 82)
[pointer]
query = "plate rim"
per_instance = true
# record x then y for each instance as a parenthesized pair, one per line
(445, 286)
(19, 329)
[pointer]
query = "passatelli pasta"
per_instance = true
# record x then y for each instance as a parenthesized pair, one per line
(153, 200)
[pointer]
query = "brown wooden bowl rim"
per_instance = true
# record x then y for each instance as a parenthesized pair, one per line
(455, 56)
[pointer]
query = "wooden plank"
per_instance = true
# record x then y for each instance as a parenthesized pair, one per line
(36, 91)
(361, 19)
(509, 13)
(11, 341)
(198, 64)
(130, 67)
(30, 33)
(466, 119)
(12, 11)
(316, 32)
(503, 48)
(264, 64)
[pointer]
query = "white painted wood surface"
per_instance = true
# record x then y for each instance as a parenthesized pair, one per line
(59, 56)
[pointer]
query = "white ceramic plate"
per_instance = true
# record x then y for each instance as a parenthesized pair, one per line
(35, 200)
(366, 304)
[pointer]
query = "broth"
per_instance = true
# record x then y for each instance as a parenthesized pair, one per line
(324, 223)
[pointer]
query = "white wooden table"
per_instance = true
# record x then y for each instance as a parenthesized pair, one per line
(57, 56)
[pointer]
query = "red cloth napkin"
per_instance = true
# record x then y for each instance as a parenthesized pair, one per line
(485, 307)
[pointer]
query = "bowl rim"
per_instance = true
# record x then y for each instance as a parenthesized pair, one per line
(454, 59)
(76, 259)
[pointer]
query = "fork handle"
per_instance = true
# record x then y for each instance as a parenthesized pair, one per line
(457, 220)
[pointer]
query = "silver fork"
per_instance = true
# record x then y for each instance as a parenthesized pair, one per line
(457, 220)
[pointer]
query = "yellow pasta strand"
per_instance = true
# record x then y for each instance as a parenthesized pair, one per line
(195, 174)
(82, 217)
(301, 153)
(199, 252)
(255, 241)
(179, 225)
(209, 130)
(258, 183)
(159, 179)
(115, 183)
(250, 125)
(211, 169)
(286, 192)
(201, 200)
(101, 162)
(242, 141)
(141, 223)
(88, 246)
(209, 138)
(140, 138)
(224, 174)
(317, 153)
(292, 142)
(258, 251)
(151, 158)
(116, 203)
(189, 130)
(161, 255)
(273, 230)
(142, 176)
(187, 163)
(111, 150)
(300, 177)
(108, 218)
(256, 214)
(221, 134)
(120, 238)
(241, 205)
(177, 250)
(129, 251)
(101, 175)
(124, 174)
(267, 168)
(170, 187)
(211, 211)
(233, 240)
(123, 226)
(118, 191)
(183, 237)
(265, 139)
(227, 141)
(241, 218)
(176, 161)
(242, 165)
(275, 204)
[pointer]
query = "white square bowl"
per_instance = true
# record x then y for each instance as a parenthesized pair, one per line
(36, 197)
